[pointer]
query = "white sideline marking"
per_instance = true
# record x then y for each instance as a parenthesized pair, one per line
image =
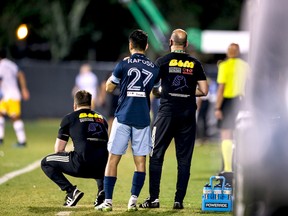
(13, 174)
(63, 213)
(26, 169)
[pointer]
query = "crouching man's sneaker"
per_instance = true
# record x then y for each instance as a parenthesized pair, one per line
(100, 198)
(73, 197)
(148, 203)
(178, 205)
(105, 206)
(132, 204)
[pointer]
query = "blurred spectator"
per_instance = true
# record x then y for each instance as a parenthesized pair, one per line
(108, 101)
(87, 80)
(205, 118)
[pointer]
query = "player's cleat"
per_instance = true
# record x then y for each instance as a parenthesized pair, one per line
(228, 177)
(105, 206)
(73, 197)
(100, 198)
(19, 145)
(132, 204)
(1, 142)
(178, 205)
(150, 204)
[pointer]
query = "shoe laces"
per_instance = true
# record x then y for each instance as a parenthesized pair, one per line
(69, 196)
(146, 203)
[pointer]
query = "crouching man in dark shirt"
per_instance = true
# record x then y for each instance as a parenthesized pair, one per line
(88, 131)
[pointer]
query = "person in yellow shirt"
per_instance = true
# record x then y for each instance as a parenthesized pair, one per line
(231, 80)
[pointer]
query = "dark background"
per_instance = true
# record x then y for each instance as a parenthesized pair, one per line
(104, 26)
(100, 39)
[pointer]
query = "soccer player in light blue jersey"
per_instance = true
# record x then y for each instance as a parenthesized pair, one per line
(135, 76)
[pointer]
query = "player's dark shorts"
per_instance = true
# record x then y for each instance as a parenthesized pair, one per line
(230, 108)
(71, 163)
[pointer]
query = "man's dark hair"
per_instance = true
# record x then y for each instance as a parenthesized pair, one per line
(82, 98)
(2, 53)
(139, 39)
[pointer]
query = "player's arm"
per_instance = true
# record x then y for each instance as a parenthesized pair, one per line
(156, 91)
(112, 83)
(102, 94)
(23, 85)
(219, 98)
(202, 88)
(63, 135)
(219, 101)
(60, 145)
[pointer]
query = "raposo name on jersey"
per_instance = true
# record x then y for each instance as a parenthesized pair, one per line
(135, 60)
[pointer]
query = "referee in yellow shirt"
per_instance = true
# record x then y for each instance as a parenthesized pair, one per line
(231, 79)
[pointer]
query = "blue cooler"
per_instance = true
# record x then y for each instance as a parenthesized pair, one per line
(218, 197)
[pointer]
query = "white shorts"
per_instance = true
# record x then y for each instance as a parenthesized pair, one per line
(120, 135)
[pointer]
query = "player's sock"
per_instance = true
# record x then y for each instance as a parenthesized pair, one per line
(227, 151)
(137, 183)
(109, 183)
(2, 127)
(18, 126)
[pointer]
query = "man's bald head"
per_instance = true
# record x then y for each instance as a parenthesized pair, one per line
(179, 37)
(233, 50)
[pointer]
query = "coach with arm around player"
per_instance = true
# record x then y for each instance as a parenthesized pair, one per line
(182, 80)
(89, 132)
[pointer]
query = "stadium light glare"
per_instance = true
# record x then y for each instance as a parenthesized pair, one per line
(22, 31)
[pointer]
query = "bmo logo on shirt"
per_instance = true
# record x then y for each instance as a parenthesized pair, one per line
(180, 63)
(185, 67)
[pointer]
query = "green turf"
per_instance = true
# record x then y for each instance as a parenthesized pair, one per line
(34, 194)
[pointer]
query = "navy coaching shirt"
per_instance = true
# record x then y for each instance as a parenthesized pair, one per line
(136, 76)
(179, 74)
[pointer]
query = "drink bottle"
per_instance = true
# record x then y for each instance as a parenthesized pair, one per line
(227, 192)
(207, 191)
(218, 191)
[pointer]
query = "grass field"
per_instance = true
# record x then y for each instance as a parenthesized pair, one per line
(33, 193)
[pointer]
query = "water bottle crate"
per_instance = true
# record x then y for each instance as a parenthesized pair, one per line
(217, 197)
